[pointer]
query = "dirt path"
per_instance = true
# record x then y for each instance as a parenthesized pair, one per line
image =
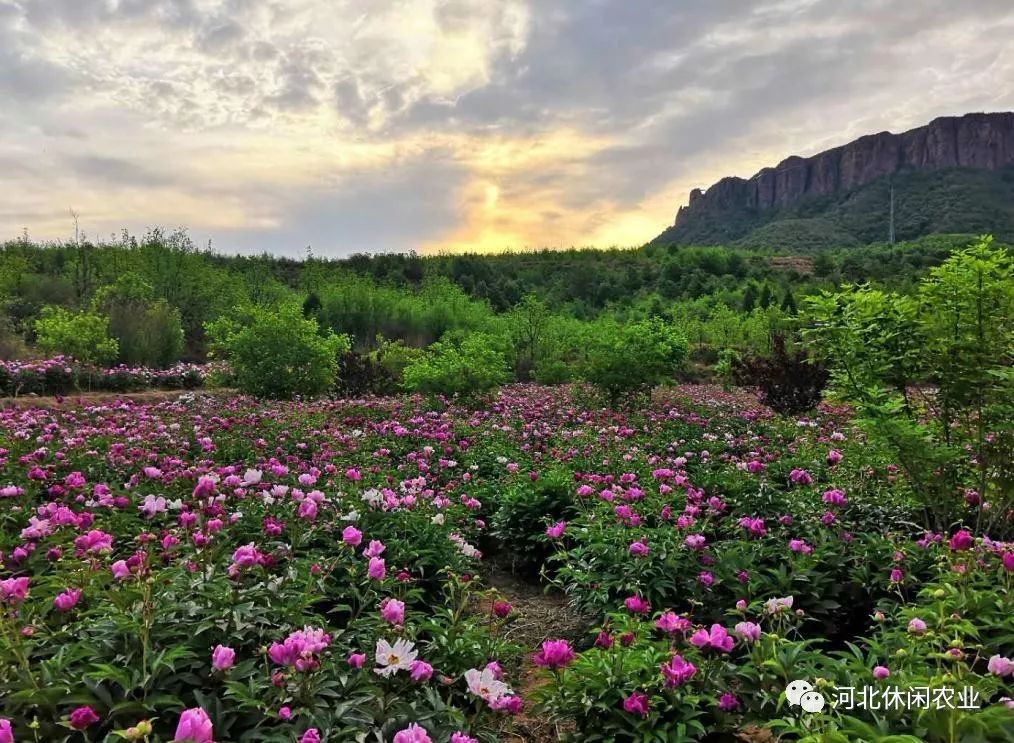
(538, 615)
(85, 399)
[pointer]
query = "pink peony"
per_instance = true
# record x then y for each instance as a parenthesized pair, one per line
(412, 734)
(67, 600)
(392, 611)
(1001, 666)
(420, 671)
(6, 732)
(222, 658)
(881, 672)
(556, 530)
(554, 654)
(310, 736)
(637, 704)
(962, 540)
(718, 638)
(83, 717)
(678, 671)
(636, 605)
(194, 727)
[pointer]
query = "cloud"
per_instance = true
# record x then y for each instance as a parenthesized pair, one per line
(452, 124)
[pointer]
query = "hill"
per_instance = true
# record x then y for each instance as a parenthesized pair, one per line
(955, 174)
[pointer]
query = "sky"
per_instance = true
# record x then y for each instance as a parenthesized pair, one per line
(451, 125)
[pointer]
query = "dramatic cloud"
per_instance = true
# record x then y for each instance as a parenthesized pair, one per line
(370, 125)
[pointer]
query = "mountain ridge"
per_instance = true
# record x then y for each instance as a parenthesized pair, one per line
(732, 207)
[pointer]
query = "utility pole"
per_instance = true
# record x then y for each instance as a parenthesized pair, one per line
(890, 235)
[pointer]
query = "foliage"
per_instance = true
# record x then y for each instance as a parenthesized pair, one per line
(931, 376)
(471, 368)
(524, 511)
(633, 358)
(790, 381)
(148, 331)
(83, 335)
(281, 354)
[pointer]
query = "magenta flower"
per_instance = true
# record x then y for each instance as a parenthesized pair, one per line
(727, 702)
(6, 732)
(194, 727)
(677, 671)
(801, 477)
(502, 609)
(120, 570)
(83, 717)
(67, 600)
(1000, 666)
(392, 611)
(747, 631)
(962, 540)
(636, 605)
(897, 575)
(637, 704)
(695, 541)
(717, 638)
(377, 569)
(881, 672)
(834, 456)
(310, 736)
(374, 549)
(554, 654)
(917, 626)
(412, 734)
(835, 498)
(352, 536)
(1008, 561)
(556, 530)
(638, 549)
(13, 590)
(670, 623)
(222, 658)
(460, 737)
(357, 660)
(705, 578)
(420, 671)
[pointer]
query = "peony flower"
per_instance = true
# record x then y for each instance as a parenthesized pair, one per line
(67, 600)
(6, 731)
(717, 638)
(962, 540)
(637, 704)
(728, 702)
(374, 549)
(881, 672)
(222, 658)
(459, 737)
(83, 717)
(14, 590)
(677, 671)
(310, 736)
(392, 611)
(352, 536)
(485, 685)
(636, 605)
(377, 569)
(420, 671)
(834, 456)
(194, 727)
(502, 609)
(412, 734)
(393, 658)
(554, 654)
(357, 660)
(556, 530)
(747, 631)
(671, 623)
(917, 626)
(638, 549)
(1001, 666)
(120, 570)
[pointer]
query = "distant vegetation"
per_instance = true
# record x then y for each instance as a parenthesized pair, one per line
(155, 300)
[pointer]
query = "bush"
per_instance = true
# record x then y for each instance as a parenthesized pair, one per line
(469, 369)
(525, 511)
(629, 359)
(790, 382)
(83, 335)
(149, 331)
(281, 354)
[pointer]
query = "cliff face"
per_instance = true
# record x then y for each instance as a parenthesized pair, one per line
(979, 140)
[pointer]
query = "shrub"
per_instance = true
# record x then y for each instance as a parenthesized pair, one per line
(149, 331)
(83, 335)
(469, 369)
(932, 377)
(281, 354)
(629, 359)
(790, 382)
(362, 374)
(525, 510)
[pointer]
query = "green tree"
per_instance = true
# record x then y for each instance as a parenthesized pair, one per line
(931, 376)
(629, 359)
(148, 331)
(279, 353)
(471, 368)
(82, 335)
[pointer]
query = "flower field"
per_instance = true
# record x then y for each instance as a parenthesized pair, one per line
(223, 569)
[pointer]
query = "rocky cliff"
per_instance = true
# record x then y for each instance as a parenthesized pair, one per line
(977, 141)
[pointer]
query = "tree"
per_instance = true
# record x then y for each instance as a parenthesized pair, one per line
(280, 354)
(527, 324)
(82, 335)
(789, 302)
(148, 331)
(629, 359)
(470, 368)
(749, 298)
(931, 377)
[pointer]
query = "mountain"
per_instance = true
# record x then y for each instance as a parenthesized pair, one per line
(956, 174)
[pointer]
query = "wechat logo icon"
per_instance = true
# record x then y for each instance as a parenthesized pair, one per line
(801, 693)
